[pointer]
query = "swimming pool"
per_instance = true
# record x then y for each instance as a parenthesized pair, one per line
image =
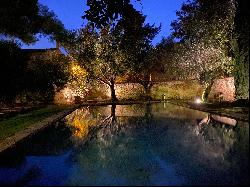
(158, 144)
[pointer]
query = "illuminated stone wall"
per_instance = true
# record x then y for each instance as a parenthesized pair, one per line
(186, 90)
(132, 91)
(226, 87)
(129, 91)
(173, 90)
(64, 96)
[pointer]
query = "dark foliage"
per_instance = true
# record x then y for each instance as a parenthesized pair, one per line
(12, 64)
(24, 19)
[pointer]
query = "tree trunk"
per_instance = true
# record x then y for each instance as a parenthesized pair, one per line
(112, 89)
(147, 88)
(207, 90)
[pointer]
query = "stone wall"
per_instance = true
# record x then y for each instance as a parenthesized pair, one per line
(64, 96)
(129, 91)
(172, 90)
(224, 86)
(186, 90)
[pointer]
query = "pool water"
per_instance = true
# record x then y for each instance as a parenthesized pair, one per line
(158, 144)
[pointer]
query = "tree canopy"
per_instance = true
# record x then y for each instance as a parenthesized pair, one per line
(102, 13)
(207, 21)
(121, 38)
(205, 29)
(24, 19)
(240, 46)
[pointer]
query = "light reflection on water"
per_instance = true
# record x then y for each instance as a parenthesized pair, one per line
(159, 144)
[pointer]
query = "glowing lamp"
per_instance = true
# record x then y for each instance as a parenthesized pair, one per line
(198, 101)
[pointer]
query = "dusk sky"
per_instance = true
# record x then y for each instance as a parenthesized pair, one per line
(70, 12)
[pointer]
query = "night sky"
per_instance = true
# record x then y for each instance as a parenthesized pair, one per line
(70, 12)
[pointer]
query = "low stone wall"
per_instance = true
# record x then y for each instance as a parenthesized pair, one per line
(129, 91)
(186, 90)
(172, 90)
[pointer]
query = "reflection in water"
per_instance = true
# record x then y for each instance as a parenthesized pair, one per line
(80, 122)
(225, 120)
(221, 119)
(135, 145)
(218, 137)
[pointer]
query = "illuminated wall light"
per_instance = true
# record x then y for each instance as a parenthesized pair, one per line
(198, 101)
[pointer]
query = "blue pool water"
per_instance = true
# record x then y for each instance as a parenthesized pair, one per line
(158, 144)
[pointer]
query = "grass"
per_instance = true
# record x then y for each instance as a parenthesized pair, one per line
(15, 124)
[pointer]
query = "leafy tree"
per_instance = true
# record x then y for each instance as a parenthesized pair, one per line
(136, 44)
(102, 13)
(240, 46)
(167, 55)
(141, 71)
(205, 28)
(208, 21)
(109, 64)
(131, 40)
(45, 76)
(77, 81)
(24, 19)
(99, 54)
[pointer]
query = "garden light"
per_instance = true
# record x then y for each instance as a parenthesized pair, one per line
(198, 101)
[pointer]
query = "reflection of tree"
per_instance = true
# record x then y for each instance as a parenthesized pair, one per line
(116, 151)
(131, 148)
(231, 143)
(112, 125)
(119, 150)
(85, 122)
(148, 114)
(81, 121)
(239, 156)
(126, 151)
(109, 127)
(218, 136)
(111, 119)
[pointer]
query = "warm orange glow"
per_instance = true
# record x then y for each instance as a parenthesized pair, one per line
(80, 122)
(81, 130)
(77, 71)
(76, 85)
